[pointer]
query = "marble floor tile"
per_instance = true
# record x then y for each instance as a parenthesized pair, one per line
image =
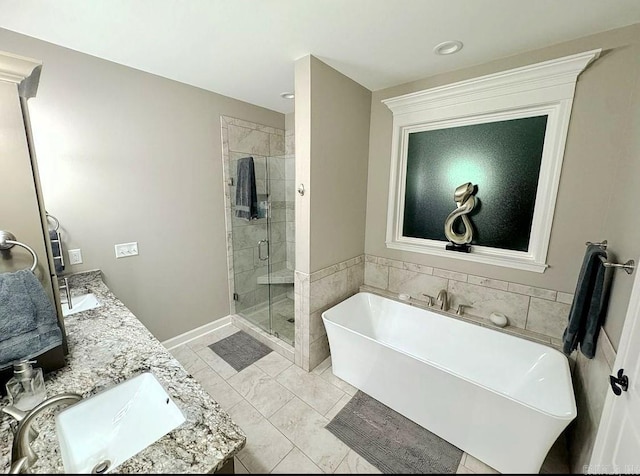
(475, 465)
(216, 386)
(462, 469)
(260, 390)
(305, 427)
(188, 358)
(238, 467)
(265, 446)
(333, 411)
(312, 389)
(216, 362)
(296, 462)
(353, 463)
(327, 375)
(322, 366)
(273, 363)
(212, 337)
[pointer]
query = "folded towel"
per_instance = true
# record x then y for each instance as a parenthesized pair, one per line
(28, 320)
(56, 248)
(246, 194)
(586, 314)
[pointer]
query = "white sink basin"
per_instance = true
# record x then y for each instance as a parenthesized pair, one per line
(80, 303)
(114, 425)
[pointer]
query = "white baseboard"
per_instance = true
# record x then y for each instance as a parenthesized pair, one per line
(196, 333)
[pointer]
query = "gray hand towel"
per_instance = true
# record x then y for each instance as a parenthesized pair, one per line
(586, 313)
(28, 321)
(56, 248)
(246, 194)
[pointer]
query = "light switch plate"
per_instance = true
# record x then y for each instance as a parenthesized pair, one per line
(126, 249)
(75, 256)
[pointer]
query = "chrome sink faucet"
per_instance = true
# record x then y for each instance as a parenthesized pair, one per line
(443, 300)
(22, 455)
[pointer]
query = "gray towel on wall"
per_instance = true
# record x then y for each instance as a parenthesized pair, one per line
(28, 320)
(56, 248)
(246, 194)
(587, 309)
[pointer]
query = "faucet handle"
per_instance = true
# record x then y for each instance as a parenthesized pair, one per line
(461, 307)
(20, 415)
(429, 299)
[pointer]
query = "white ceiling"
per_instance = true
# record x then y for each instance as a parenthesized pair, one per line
(246, 49)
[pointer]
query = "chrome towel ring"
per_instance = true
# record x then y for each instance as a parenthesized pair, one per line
(8, 241)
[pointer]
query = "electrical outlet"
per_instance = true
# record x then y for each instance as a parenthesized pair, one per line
(75, 256)
(126, 249)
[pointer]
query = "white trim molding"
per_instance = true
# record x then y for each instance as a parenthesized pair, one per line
(196, 333)
(545, 88)
(14, 68)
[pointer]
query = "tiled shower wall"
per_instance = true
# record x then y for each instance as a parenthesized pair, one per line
(290, 191)
(540, 313)
(315, 293)
(241, 139)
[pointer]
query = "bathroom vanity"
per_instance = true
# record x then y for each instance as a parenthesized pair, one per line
(108, 345)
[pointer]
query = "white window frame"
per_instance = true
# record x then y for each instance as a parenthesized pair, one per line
(545, 88)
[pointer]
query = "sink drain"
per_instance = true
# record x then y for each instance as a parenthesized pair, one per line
(101, 467)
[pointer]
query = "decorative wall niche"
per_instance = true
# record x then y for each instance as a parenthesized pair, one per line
(505, 133)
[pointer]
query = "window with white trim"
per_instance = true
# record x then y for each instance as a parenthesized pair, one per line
(505, 133)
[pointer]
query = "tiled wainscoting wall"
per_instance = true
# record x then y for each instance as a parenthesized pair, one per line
(540, 313)
(315, 294)
(266, 145)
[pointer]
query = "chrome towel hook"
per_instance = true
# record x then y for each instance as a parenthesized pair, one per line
(8, 241)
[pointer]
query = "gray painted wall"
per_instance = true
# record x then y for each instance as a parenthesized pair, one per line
(338, 124)
(129, 156)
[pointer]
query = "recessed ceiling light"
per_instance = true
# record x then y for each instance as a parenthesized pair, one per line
(448, 47)
(287, 95)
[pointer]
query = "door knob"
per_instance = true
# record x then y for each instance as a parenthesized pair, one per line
(619, 384)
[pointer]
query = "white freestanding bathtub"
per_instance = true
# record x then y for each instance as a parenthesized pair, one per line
(503, 399)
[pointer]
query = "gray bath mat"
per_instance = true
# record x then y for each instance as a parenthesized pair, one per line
(392, 443)
(240, 350)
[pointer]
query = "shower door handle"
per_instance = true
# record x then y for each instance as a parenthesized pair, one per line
(260, 250)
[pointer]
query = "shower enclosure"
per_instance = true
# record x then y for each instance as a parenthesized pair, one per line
(264, 248)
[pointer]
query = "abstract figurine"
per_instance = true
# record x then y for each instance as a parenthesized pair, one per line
(465, 202)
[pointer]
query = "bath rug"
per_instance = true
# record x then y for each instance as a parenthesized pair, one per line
(391, 442)
(240, 350)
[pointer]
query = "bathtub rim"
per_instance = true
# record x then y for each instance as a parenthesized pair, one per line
(451, 372)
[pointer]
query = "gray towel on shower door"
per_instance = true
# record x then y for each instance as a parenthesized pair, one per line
(586, 313)
(246, 194)
(28, 320)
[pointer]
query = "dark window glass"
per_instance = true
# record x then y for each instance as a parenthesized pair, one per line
(501, 158)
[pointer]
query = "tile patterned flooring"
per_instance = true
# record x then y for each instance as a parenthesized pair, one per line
(283, 411)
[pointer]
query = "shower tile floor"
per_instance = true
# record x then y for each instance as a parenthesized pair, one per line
(282, 314)
(283, 410)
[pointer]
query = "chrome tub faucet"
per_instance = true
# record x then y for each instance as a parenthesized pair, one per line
(443, 300)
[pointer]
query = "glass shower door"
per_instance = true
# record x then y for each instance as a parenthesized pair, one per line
(264, 247)
(251, 249)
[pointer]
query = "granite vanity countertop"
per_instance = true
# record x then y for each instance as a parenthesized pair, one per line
(108, 345)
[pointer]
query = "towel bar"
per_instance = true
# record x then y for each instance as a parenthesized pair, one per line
(629, 266)
(8, 241)
(51, 217)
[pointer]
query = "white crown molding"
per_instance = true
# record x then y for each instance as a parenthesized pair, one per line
(556, 72)
(545, 88)
(14, 68)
